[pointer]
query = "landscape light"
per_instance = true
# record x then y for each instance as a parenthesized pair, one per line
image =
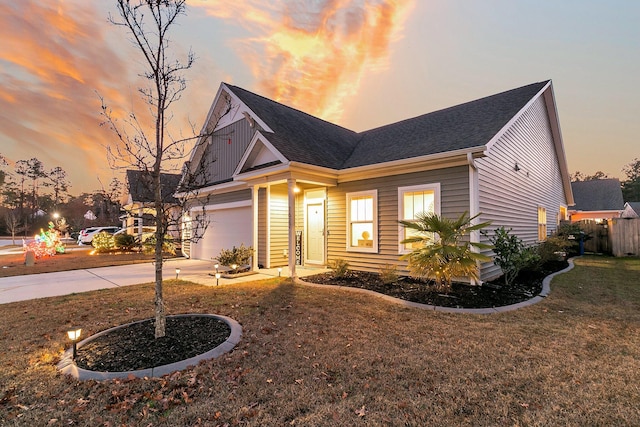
(74, 336)
(279, 271)
(234, 266)
(177, 272)
(216, 267)
(217, 279)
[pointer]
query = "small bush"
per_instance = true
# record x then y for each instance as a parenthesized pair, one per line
(339, 267)
(103, 242)
(125, 241)
(512, 255)
(149, 245)
(554, 248)
(238, 256)
(389, 274)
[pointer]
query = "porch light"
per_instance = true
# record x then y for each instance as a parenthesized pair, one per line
(296, 189)
(177, 273)
(217, 279)
(74, 336)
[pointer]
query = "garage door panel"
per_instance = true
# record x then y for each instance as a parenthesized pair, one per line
(227, 228)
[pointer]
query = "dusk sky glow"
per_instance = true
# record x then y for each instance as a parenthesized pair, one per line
(357, 63)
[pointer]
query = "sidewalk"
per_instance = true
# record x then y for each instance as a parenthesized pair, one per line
(21, 288)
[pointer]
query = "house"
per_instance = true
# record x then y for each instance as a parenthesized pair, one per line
(139, 206)
(303, 191)
(631, 210)
(596, 199)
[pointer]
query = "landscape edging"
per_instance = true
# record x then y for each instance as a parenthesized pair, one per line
(546, 289)
(68, 366)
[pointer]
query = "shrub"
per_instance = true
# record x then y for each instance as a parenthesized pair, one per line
(238, 256)
(512, 255)
(103, 242)
(339, 267)
(149, 245)
(389, 274)
(450, 255)
(125, 241)
(554, 248)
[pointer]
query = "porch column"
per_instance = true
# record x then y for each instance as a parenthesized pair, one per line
(292, 227)
(254, 205)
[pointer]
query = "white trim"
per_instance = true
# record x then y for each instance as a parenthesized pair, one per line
(375, 237)
(229, 205)
(258, 137)
(435, 187)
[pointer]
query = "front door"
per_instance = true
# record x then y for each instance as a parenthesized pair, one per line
(315, 233)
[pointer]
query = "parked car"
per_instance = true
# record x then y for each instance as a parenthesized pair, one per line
(86, 235)
(147, 231)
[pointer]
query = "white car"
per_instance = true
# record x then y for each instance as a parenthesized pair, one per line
(86, 235)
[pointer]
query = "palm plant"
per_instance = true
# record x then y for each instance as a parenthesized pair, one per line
(442, 251)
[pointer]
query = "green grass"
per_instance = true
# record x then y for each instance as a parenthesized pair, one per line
(311, 356)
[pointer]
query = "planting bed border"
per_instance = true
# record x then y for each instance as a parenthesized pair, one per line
(68, 366)
(546, 289)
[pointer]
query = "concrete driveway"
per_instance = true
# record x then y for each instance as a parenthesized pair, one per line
(21, 288)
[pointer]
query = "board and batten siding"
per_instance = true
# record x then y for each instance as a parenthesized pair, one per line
(224, 150)
(510, 197)
(454, 200)
(278, 225)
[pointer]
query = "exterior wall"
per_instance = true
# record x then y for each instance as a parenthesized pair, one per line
(279, 225)
(262, 227)
(511, 198)
(224, 151)
(454, 197)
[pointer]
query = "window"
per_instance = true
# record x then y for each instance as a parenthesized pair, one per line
(413, 201)
(362, 221)
(562, 215)
(542, 224)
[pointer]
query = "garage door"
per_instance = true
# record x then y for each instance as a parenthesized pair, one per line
(227, 228)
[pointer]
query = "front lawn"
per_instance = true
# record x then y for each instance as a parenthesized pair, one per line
(311, 356)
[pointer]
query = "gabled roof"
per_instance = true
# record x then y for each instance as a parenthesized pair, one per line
(140, 189)
(634, 205)
(597, 195)
(303, 138)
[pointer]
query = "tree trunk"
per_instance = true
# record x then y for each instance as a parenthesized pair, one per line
(159, 299)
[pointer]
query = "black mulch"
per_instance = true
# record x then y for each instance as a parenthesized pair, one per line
(490, 294)
(135, 347)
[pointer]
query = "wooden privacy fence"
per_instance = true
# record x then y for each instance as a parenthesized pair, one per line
(616, 236)
(624, 236)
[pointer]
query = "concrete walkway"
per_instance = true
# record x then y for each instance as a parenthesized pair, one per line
(21, 288)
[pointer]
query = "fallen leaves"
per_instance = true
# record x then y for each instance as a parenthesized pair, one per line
(361, 412)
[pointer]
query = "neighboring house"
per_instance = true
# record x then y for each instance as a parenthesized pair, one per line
(631, 210)
(596, 199)
(139, 205)
(301, 190)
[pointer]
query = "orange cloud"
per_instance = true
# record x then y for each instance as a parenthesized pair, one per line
(312, 55)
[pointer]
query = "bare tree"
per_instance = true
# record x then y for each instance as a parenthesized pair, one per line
(58, 178)
(12, 221)
(153, 151)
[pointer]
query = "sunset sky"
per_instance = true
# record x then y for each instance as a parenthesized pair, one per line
(357, 63)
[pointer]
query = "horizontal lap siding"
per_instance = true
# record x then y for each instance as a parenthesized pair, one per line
(454, 193)
(279, 225)
(511, 198)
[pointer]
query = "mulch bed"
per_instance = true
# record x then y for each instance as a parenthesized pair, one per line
(134, 347)
(491, 294)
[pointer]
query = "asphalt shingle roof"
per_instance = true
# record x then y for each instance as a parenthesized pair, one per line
(141, 191)
(597, 195)
(307, 139)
